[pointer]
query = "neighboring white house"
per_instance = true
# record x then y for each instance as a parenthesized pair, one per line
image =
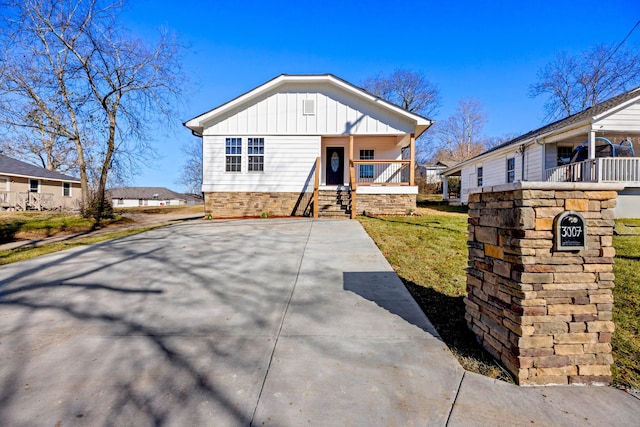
(544, 154)
(308, 145)
(126, 197)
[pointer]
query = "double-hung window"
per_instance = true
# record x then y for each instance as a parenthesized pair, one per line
(34, 185)
(233, 153)
(366, 171)
(66, 189)
(255, 150)
(511, 170)
(564, 155)
(479, 175)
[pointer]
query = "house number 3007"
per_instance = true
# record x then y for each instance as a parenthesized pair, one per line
(571, 231)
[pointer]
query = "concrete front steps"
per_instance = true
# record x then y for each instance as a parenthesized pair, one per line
(334, 204)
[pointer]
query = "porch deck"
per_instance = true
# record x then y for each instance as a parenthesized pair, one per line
(605, 169)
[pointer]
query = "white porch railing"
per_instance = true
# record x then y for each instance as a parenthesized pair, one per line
(382, 172)
(26, 200)
(605, 169)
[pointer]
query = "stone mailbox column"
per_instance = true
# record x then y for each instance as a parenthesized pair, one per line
(545, 313)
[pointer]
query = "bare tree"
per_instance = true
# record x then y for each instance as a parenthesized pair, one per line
(191, 174)
(408, 89)
(572, 83)
(460, 136)
(89, 82)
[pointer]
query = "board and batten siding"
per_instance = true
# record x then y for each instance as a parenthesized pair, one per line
(625, 120)
(281, 112)
(288, 165)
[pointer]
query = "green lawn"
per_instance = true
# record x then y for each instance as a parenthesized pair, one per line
(37, 225)
(429, 253)
(626, 311)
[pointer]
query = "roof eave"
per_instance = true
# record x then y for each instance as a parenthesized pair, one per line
(39, 177)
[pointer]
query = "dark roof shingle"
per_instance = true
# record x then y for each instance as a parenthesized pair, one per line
(10, 166)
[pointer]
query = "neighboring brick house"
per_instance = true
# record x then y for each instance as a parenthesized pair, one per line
(124, 197)
(24, 186)
(308, 145)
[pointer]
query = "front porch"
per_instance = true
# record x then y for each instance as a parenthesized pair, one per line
(381, 180)
(624, 170)
(25, 200)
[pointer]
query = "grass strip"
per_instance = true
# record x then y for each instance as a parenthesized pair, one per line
(21, 254)
(626, 312)
(429, 254)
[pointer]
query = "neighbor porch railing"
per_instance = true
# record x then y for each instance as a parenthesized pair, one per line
(382, 172)
(605, 169)
(26, 200)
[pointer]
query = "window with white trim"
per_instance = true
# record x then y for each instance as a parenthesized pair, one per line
(255, 150)
(564, 155)
(34, 185)
(233, 152)
(479, 174)
(366, 171)
(66, 189)
(511, 169)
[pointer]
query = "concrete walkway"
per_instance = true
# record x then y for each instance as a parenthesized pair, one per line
(281, 322)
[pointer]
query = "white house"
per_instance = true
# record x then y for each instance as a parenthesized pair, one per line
(308, 145)
(126, 197)
(606, 130)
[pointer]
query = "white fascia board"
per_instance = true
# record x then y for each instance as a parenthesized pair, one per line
(196, 124)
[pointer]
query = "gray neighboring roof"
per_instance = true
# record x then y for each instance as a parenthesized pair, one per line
(575, 118)
(13, 167)
(148, 193)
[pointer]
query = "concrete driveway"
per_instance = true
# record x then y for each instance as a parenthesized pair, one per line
(233, 323)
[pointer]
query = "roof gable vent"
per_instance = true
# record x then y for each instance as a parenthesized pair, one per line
(308, 107)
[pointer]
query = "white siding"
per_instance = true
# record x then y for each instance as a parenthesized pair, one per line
(533, 162)
(288, 165)
(626, 120)
(280, 112)
(495, 171)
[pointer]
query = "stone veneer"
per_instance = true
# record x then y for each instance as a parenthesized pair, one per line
(546, 315)
(385, 204)
(252, 204)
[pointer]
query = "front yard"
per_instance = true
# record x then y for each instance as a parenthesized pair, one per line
(429, 253)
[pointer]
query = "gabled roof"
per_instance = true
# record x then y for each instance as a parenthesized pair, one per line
(13, 167)
(196, 123)
(582, 118)
(148, 193)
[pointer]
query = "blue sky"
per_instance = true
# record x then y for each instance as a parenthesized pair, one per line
(489, 50)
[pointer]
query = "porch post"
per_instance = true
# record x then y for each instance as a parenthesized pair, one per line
(412, 162)
(350, 148)
(445, 187)
(592, 144)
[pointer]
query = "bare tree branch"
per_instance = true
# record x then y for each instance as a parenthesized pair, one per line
(460, 136)
(410, 90)
(75, 75)
(572, 83)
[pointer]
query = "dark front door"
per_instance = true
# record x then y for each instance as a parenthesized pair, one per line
(335, 166)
